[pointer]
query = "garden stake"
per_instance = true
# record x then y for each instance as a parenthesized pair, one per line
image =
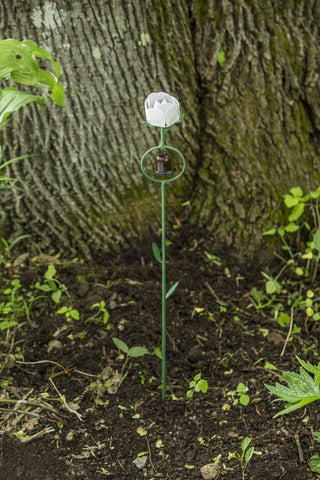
(162, 111)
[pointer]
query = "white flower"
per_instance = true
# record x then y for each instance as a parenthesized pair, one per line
(162, 110)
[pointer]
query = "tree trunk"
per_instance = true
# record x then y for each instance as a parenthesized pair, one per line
(251, 127)
(260, 112)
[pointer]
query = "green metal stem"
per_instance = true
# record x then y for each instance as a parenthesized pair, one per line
(164, 288)
(163, 182)
(162, 145)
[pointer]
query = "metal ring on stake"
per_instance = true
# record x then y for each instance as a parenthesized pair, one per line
(163, 147)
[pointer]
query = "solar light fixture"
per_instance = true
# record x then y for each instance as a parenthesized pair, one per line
(163, 111)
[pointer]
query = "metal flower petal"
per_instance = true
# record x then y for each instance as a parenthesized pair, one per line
(162, 110)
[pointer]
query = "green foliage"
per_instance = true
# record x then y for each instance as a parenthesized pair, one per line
(101, 306)
(172, 289)
(197, 385)
(245, 456)
(239, 395)
(302, 388)
(5, 248)
(69, 313)
(242, 389)
(314, 464)
(221, 58)
(52, 284)
(300, 206)
(133, 352)
(18, 62)
(156, 252)
(15, 305)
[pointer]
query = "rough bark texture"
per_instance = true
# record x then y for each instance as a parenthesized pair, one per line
(87, 190)
(260, 118)
(251, 128)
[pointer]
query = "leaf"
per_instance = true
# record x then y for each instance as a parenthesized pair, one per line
(249, 454)
(172, 289)
(56, 296)
(314, 464)
(43, 288)
(241, 388)
(190, 394)
(202, 385)
(51, 271)
(283, 319)
(291, 227)
(302, 390)
(62, 310)
(309, 367)
(316, 240)
(75, 314)
(257, 295)
(290, 201)
(121, 345)
(244, 400)
(12, 99)
(245, 443)
(272, 231)
(221, 58)
(270, 366)
(296, 191)
(157, 352)
(18, 61)
(272, 286)
(296, 212)
(135, 352)
(156, 252)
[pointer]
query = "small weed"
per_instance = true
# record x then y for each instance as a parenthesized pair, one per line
(245, 456)
(302, 389)
(52, 285)
(197, 385)
(101, 306)
(133, 352)
(69, 313)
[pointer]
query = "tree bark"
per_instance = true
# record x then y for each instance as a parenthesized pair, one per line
(260, 112)
(251, 129)
(86, 192)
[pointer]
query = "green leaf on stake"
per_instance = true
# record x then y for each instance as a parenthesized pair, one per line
(172, 289)
(156, 252)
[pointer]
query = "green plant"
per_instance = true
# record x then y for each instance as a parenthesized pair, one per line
(302, 388)
(52, 284)
(314, 464)
(15, 305)
(69, 313)
(240, 395)
(245, 456)
(198, 384)
(5, 248)
(101, 306)
(18, 62)
(299, 206)
(133, 352)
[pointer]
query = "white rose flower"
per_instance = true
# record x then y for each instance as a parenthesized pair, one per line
(162, 110)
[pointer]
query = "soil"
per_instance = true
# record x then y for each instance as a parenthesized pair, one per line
(80, 424)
